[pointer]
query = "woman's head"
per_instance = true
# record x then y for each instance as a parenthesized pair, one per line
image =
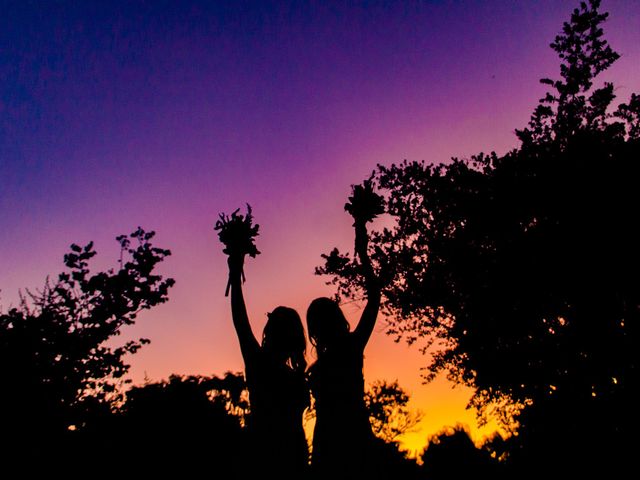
(283, 337)
(326, 323)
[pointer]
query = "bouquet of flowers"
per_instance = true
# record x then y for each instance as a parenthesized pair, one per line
(237, 233)
(364, 204)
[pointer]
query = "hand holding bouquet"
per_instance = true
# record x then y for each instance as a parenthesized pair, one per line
(237, 233)
(364, 204)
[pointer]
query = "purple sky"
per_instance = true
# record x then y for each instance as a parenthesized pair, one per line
(162, 114)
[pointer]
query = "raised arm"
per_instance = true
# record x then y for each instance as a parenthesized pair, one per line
(249, 345)
(370, 313)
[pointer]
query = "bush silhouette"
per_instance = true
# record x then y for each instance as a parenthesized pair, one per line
(188, 425)
(452, 454)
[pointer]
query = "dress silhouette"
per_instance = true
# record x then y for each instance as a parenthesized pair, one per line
(342, 439)
(278, 393)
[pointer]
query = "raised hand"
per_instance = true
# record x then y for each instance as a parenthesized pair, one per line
(236, 264)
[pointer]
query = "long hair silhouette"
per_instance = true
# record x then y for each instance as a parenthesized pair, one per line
(343, 442)
(278, 393)
(327, 322)
(283, 337)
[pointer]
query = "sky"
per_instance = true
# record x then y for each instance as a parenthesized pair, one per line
(163, 114)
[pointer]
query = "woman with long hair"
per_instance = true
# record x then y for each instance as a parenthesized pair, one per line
(342, 439)
(275, 375)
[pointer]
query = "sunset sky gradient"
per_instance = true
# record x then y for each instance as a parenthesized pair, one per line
(163, 114)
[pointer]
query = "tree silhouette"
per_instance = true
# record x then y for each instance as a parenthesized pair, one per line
(520, 271)
(584, 54)
(188, 424)
(389, 414)
(452, 454)
(58, 368)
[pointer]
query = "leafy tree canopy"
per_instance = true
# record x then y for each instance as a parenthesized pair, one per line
(389, 413)
(520, 271)
(55, 358)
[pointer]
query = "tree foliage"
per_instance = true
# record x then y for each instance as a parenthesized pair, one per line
(191, 425)
(56, 360)
(389, 413)
(520, 270)
(452, 454)
(572, 104)
(191, 395)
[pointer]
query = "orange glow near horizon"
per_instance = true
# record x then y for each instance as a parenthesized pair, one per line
(442, 403)
(108, 122)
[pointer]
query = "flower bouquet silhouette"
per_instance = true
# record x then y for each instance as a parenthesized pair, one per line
(364, 204)
(237, 233)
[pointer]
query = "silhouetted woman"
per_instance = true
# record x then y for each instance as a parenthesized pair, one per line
(342, 437)
(278, 393)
